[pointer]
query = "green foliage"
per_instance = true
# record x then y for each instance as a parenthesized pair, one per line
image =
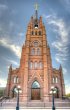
(68, 95)
(2, 91)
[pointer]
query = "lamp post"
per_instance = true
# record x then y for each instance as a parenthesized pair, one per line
(18, 90)
(53, 91)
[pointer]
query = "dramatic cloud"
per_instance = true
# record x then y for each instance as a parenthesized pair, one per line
(3, 82)
(12, 62)
(67, 88)
(62, 38)
(16, 49)
(3, 6)
(64, 71)
(66, 4)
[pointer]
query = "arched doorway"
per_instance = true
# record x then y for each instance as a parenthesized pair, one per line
(57, 92)
(14, 92)
(35, 91)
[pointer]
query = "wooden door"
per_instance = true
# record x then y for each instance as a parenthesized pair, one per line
(35, 94)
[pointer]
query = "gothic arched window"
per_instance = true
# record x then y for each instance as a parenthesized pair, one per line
(40, 65)
(30, 65)
(56, 79)
(53, 79)
(15, 81)
(39, 32)
(35, 84)
(33, 51)
(36, 33)
(35, 65)
(38, 51)
(32, 33)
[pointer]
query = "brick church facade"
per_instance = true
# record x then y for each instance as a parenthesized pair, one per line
(35, 74)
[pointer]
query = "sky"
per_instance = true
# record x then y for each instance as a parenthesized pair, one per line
(14, 18)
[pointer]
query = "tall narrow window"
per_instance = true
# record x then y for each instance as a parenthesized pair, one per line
(38, 51)
(33, 51)
(36, 33)
(53, 80)
(35, 65)
(56, 80)
(32, 33)
(15, 81)
(40, 65)
(39, 32)
(31, 65)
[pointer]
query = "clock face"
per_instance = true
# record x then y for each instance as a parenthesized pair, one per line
(36, 26)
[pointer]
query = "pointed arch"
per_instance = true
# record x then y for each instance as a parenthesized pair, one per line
(33, 51)
(35, 91)
(35, 84)
(38, 51)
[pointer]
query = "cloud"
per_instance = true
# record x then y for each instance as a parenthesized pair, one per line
(67, 88)
(64, 70)
(3, 82)
(12, 61)
(66, 4)
(3, 6)
(62, 38)
(16, 49)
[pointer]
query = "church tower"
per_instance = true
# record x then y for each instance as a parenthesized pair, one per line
(35, 74)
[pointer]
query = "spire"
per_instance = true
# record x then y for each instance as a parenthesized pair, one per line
(60, 67)
(36, 11)
(10, 68)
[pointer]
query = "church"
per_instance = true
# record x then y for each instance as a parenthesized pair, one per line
(35, 75)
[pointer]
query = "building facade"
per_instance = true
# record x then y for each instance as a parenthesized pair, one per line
(35, 74)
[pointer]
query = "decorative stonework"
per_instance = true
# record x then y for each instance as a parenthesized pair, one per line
(45, 76)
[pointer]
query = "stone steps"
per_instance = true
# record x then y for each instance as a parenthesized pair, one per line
(36, 104)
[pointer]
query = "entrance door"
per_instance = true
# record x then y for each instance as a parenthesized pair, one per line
(57, 93)
(35, 91)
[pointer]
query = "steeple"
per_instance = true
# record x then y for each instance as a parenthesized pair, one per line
(36, 16)
(36, 11)
(60, 68)
(10, 68)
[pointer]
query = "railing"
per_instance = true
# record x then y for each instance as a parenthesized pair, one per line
(2, 99)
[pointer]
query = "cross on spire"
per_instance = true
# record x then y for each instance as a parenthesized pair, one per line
(36, 9)
(36, 6)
